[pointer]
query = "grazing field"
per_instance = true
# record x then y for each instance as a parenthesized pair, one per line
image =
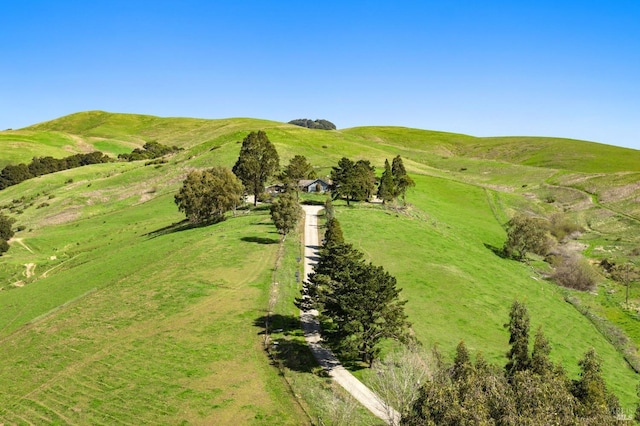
(113, 311)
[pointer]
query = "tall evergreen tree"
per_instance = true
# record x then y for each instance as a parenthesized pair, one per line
(540, 362)
(360, 300)
(386, 188)
(333, 233)
(518, 355)
(591, 389)
(257, 162)
(401, 179)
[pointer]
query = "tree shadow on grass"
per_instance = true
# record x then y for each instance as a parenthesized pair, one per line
(260, 240)
(498, 251)
(286, 346)
(170, 229)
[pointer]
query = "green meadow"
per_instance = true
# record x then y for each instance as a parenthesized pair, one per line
(115, 312)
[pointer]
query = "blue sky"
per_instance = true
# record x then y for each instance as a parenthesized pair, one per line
(485, 68)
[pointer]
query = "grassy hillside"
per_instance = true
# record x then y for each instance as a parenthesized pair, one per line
(108, 303)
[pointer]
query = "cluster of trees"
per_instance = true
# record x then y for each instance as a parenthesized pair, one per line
(14, 174)
(149, 151)
(394, 181)
(359, 301)
(356, 181)
(6, 232)
(353, 181)
(313, 124)
(529, 389)
(205, 196)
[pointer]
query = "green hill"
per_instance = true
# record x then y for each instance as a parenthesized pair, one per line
(114, 313)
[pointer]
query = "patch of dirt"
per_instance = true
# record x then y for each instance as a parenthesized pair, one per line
(80, 145)
(31, 268)
(64, 216)
(21, 242)
(620, 193)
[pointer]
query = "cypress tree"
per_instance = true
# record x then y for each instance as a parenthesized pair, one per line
(386, 187)
(518, 355)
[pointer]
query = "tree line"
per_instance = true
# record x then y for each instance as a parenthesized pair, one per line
(530, 389)
(14, 174)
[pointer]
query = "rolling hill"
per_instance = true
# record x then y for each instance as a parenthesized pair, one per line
(112, 313)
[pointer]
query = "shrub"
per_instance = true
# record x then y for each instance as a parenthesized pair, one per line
(575, 272)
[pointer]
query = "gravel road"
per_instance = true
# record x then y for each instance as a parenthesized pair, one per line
(311, 328)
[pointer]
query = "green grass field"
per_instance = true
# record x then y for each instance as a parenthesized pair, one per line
(113, 314)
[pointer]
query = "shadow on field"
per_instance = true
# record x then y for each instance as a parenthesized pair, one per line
(287, 347)
(498, 251)
(170, 229)
(260, 240)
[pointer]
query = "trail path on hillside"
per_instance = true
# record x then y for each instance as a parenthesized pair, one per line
(311, 328)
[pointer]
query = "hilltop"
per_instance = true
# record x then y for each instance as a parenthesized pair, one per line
(117, 305)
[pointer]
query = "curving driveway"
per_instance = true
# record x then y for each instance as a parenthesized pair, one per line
(311, 328)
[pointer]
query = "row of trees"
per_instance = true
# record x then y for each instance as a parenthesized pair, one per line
(149, 151)
(359, 301)
(356, 181)
(14, 174)
(530, 389)
(6, 232)
(394, 181)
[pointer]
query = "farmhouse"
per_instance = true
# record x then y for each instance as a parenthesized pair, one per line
(314, 185)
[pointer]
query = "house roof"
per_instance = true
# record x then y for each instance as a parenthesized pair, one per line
(303, 183)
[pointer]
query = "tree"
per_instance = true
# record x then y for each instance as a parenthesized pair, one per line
(401, 179)
(205, 196)
(297, 169)
(6, 232)
(360, 300)
(591, 389)
(540, 362)
(257, 162)
(333, 233)
(386, 188)
(518, 355)
(353, 181)
(526, 235)
(285, 212)
(626, 273)
(398, 379)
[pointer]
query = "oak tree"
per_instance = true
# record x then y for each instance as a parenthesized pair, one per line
(206, 195)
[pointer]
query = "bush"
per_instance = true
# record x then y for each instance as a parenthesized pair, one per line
(575, 272)
(562, 228)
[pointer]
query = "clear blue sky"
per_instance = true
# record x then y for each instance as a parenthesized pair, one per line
(485, 68)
